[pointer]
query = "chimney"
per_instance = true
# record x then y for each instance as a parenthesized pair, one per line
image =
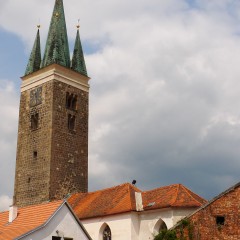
(13, 211)
(139, 204)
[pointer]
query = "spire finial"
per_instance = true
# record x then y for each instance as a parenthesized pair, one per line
(78, 25)
(39, 24)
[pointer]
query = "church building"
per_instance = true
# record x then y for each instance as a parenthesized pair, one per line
(52, 149)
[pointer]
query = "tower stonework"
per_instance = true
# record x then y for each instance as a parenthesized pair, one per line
(52, 149)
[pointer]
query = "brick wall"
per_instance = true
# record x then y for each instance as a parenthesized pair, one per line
(220, 220)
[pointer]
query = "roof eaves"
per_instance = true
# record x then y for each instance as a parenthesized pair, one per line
(43, 225)
(110, 214)
(103, 190)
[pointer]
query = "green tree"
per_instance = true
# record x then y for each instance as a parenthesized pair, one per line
(166, 235)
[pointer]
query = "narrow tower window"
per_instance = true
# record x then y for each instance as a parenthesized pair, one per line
(71, 122)
(34, 121)
(74, 103)
(71, 101)
(35, 154)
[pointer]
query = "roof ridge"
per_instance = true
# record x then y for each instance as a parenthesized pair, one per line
(135, 188)
(155, 189)
(129, 193)
(102, 190)
(39, 204)
(187, 191)
(174, 200)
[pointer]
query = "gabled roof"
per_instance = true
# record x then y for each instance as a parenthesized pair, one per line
(175, 195)
(208, 203)
(118, 199)
(28, 219)
(121, 199)
(31, 219)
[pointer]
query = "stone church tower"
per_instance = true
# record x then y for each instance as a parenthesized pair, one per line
(52, 150)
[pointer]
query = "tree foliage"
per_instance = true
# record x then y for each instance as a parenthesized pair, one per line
(166, 235)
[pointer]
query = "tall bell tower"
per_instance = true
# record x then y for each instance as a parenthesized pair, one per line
(52, 149)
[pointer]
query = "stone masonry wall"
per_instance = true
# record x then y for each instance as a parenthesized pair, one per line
(69, 165)
(204, 226)
(61, 164)
(33, 173)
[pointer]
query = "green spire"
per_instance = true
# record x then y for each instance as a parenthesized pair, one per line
(35, 57)
(78, 62)
(57, 49)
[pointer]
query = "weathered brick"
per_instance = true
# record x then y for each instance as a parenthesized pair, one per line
(61, 165)
(204, 224)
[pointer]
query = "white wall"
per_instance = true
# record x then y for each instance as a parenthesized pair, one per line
(120, 225)
(149, 220)
(63, 221)
(134, 225)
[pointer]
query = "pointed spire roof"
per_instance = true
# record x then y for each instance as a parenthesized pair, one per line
(78, 62)
(57, 48)
(34, 62)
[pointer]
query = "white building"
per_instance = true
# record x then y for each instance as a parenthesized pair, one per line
(47, 221)
(126, 213)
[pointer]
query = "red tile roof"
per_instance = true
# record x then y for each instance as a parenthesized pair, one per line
(28, 219)
(121, 199)
(175, 195)
(108, 201)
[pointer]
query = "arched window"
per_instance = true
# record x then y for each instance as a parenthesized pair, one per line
(162, 226)
(107, 235)
(159, 226)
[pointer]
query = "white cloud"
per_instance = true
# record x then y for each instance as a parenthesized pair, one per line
(8, 132)
(5, 202)
(158, 83)
(165, 89)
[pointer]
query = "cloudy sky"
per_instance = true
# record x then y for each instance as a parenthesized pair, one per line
(165, 89)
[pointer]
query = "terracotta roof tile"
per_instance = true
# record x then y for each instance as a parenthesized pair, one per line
(28, 219)
(108, 201)
(120, 199)
(171, 196)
